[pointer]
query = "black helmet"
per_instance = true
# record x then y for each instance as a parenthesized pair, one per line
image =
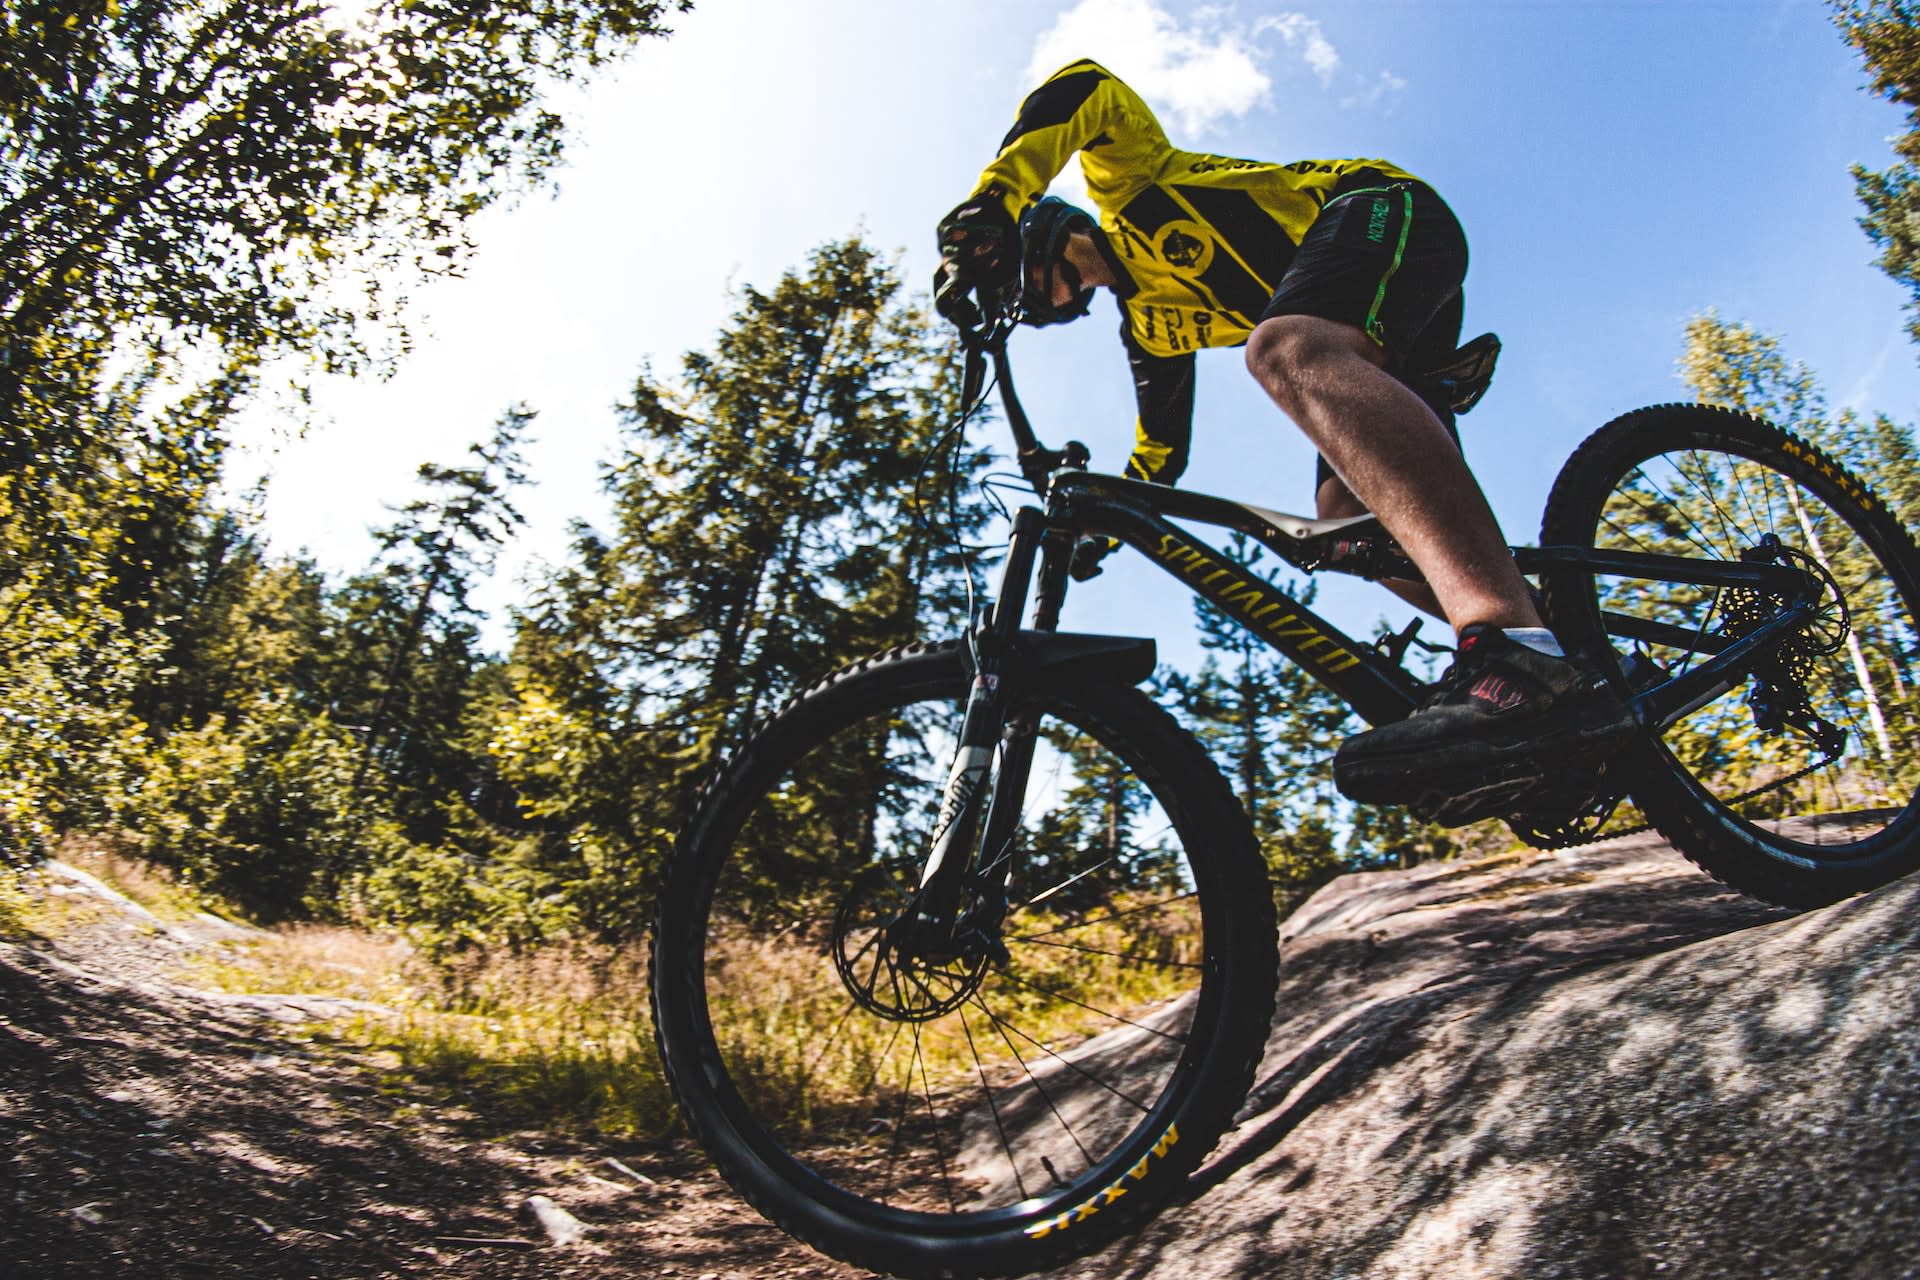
(1044, 229)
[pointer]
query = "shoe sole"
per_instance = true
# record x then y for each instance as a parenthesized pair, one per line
(1413, 775)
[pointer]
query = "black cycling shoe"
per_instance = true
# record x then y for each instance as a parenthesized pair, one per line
(1504, 722)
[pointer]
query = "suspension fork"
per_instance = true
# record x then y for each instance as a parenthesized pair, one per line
(965, 810)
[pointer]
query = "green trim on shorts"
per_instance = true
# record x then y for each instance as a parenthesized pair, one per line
(1363, 191)
(1399, 250)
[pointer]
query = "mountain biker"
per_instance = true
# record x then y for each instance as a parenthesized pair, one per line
(1342, 278)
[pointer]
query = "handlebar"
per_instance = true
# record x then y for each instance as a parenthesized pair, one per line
(984, 330)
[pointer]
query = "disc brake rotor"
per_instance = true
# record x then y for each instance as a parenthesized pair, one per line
(886, 976)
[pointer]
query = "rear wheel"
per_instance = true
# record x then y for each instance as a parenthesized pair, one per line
(975, 1111)
(1799, 784)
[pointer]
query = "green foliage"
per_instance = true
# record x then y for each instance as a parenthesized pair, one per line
(1737, 367)
(186, 188)
(1385, 837)
(769, 523)
(262, 812)
(1869, 687)
(206, 172)
(448, 901)
(1887, 34)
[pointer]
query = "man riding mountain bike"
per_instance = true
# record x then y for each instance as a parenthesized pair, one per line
(1342, 278)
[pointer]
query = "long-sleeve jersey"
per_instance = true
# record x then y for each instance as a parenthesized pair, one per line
(1198, 242)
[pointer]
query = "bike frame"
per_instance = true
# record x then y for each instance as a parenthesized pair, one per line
(1368, 677)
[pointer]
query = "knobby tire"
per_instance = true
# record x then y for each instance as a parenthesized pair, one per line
(996, 1118)
(1763, 807)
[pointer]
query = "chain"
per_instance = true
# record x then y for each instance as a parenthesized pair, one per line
(1564, 837)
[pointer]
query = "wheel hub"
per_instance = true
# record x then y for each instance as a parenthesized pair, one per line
(896, 965)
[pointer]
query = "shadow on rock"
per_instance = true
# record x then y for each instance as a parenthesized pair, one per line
(1594, 1064)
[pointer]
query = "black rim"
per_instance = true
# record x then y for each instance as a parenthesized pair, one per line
(1812, 754)
(1064, 1105)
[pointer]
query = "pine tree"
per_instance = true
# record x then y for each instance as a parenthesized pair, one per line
(1887, 34)
(1736, 367)
(776, 513)
(409, 651)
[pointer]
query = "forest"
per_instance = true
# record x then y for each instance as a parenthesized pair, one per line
(190, 190)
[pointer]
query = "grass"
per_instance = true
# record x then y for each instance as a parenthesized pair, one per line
(561, 1037)
(779, 1012)
(16, 904)
(557, 1038)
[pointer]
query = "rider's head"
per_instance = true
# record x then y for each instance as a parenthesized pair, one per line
(1045, 267)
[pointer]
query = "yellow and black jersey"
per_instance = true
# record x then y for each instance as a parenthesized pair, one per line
(1203, 239)
(1199, 241)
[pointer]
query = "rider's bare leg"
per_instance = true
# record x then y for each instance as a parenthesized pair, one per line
(1335, 501)
(1385, 443)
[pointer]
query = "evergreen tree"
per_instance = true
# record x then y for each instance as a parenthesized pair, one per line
(1887, 34)
(776, 513)
(186, 188)
(1734, 366)
(409, 653)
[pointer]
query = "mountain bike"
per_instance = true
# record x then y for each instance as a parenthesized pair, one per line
(966, 959)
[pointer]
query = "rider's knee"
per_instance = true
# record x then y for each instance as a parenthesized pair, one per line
(1285, 353)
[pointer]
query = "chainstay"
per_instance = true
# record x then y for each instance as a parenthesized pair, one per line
(1596, 837)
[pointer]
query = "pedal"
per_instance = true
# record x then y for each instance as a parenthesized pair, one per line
(1488, 800)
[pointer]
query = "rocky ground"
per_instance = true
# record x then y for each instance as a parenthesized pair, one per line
(1594, 1064)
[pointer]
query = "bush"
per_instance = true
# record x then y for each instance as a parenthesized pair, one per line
(265, 812)
(448, 902)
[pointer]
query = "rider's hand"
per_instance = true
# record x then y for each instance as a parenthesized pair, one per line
(950, 297)
(979, 243)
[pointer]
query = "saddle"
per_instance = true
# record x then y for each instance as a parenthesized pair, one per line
(1463, 377)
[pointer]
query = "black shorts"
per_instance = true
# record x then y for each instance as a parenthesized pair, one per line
(1389, 259)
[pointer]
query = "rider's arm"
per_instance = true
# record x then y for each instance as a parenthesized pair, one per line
(1081, 108)
(1163, 388)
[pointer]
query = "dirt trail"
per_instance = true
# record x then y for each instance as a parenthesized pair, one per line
(1595, 1065)
(154, 1130)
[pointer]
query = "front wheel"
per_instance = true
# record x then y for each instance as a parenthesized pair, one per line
(998, 1105)
(1797, 784)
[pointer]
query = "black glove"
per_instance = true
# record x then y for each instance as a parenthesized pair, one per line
(979, 243)
(950, 297)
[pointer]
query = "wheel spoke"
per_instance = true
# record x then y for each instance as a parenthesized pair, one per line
(1112, 915)
(1697, 480)
(1064, 998)
(828, 1038)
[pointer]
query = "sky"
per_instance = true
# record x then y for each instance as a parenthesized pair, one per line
(1619, 166)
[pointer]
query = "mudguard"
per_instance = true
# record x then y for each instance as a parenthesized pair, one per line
(1125, 659)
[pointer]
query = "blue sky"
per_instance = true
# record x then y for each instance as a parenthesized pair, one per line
(1619, 166)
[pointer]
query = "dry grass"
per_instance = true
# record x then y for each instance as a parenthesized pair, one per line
(780, 1013)
(153, 886)
(562, 1037)
(558, 1038)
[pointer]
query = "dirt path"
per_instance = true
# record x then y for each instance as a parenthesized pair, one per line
(157, 1131)
(1595, 1065)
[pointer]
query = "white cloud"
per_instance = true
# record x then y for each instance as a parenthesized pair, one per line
(1384, 90)
(1298, 29)
(1198, 72)
(1198, 67)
